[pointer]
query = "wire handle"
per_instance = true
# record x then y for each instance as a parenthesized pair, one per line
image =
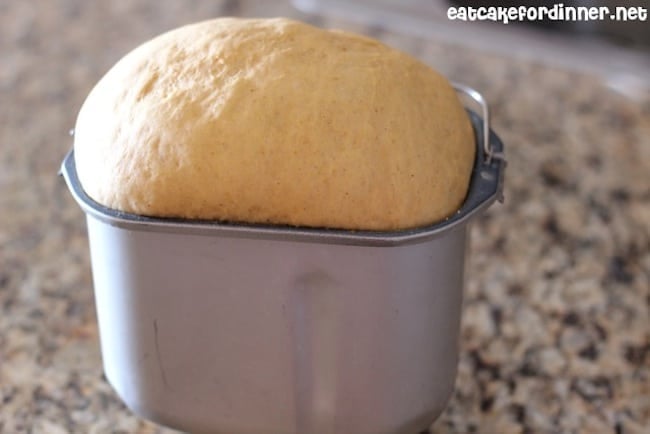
(490, 153)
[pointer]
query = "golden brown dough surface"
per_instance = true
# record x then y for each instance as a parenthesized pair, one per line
(275, 121)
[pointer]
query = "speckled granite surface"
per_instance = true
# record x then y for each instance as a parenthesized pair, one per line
(555, 333)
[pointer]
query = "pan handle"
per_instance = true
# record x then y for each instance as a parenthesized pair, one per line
(490, 154)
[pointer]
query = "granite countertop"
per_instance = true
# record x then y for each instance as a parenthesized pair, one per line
(555, 331)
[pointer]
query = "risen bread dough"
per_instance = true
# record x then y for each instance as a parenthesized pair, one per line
(275, 121)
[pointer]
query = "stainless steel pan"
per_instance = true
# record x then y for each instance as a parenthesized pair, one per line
(234, 328)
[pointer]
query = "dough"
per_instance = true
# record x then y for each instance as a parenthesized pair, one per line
(275, 121)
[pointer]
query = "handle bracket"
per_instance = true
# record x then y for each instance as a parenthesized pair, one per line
(490, 154)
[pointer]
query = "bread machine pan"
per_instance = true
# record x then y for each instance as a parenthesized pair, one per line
(221, 327)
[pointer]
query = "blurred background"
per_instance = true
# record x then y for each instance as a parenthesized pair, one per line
(555, 333)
